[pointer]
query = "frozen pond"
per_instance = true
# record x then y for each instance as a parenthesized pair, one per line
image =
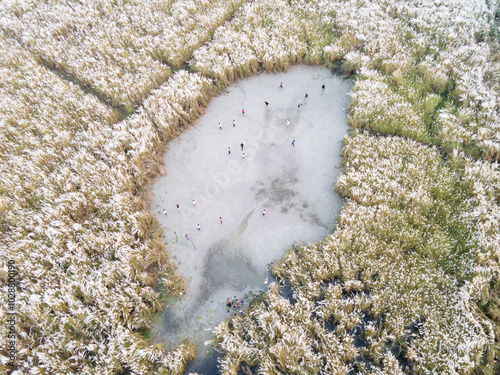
(294, 184)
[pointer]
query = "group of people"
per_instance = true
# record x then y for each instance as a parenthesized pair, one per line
(233, 304)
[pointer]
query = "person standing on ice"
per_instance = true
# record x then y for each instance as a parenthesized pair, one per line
(165, 212)
(323, 87)
(264, 212)
(178, 207)
(229, 150)
(243, 112)
(220, 219)
(241, 144)
(187, 237)
(193, 202)
(281, 85)
(306, 96)
(266, 104)
(234, 123)
(293, 143)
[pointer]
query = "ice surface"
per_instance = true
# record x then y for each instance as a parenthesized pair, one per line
(294, 184)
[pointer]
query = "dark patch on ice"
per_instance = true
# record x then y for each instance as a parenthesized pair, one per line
(224, 267)
(315, 220)
(278, 192)
(206, 365)
(242, 228)
(170, 322)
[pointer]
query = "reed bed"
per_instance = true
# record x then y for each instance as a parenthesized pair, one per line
(74, 219)
(122, 50)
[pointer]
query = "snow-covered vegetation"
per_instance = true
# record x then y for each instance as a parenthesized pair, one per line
(269, 34)
(121, 49)
(409, 281)
(75, 220)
